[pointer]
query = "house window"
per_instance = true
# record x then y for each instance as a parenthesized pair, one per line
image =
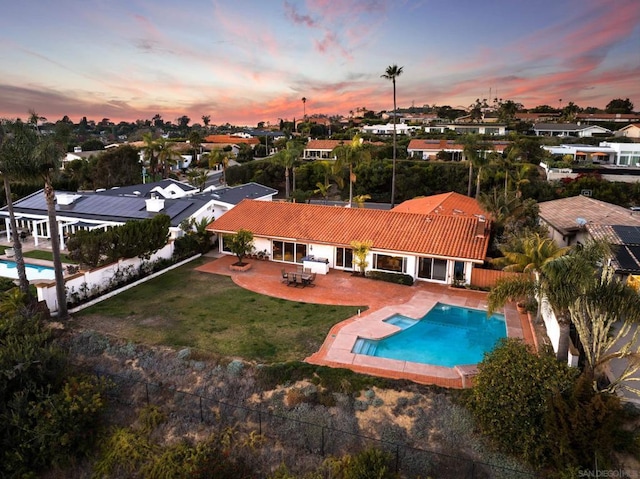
(433, 268)
(226, 243)
(458, 271)
(288, 252)
(344, 258)
(397, 264)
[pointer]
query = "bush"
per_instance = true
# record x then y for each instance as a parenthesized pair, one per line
(397, 278)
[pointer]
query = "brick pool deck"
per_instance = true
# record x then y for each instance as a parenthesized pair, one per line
(379, 300)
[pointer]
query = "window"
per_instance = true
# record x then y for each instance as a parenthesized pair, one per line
(458, 271)
(397, 264)
(344, 258)
(226, 243)
(433, 268)
(288, 252)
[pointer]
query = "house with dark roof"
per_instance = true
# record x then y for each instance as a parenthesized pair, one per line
(430, 247)
(569, 220)
(116, 206)
(569, 129)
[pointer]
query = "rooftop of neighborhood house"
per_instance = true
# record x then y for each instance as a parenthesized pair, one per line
(420, 144)
(566, 127)
(626, 241)
(564, 214)
(435, 235)
(116, 205)
(229, 139)
(451, 204)
(331, 144)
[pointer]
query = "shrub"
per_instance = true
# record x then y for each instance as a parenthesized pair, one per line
(397, 278)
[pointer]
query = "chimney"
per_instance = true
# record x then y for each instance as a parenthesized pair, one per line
(154, 204)
(481, 227)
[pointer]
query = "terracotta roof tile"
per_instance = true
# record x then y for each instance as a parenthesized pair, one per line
(228, 139)
(435, 235)
(451, 204)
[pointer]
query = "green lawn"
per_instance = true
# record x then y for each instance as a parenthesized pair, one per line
(209, 312)
(45, 255)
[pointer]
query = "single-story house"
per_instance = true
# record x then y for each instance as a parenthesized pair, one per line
(569, 129)
(321, 149)
(106, 208)
(469, 128)
(430, 247)
(429, 149)
(387, 129)
(629, 131)
(569, 219)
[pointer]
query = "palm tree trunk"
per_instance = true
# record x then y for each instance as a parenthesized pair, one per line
(478, 183)
(286, 182)
(393, 170)
(470, 179)
(17, 246)
(563, 340)
(61, 294)
(351, 186)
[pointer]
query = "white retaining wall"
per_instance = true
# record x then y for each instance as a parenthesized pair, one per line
(98, 278)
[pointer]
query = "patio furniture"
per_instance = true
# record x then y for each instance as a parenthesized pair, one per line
(292, 279)
(308, 279)
(285, 276)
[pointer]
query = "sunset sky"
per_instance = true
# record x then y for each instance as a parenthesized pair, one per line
(246, 61)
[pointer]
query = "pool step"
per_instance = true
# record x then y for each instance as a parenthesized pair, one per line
(365, 346)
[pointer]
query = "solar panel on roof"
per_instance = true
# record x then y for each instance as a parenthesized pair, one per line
(628, 234)
(626, 261)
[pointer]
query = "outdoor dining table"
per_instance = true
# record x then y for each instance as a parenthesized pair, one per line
(297, 278)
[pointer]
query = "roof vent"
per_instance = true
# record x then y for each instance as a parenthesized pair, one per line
(154, 204)
(66, 198)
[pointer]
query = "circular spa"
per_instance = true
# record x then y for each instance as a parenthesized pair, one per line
(446, 336)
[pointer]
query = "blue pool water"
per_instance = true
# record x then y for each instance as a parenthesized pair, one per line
(8, 269)
(446, 336)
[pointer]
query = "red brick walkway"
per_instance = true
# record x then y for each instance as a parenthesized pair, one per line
(379, 300)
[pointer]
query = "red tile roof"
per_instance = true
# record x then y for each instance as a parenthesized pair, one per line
(450, 204)
(233, 140)
(434, 235)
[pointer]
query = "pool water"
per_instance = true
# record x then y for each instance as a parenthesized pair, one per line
(446, 336)
(8, 269)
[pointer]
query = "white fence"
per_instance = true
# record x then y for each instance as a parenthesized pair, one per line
(98, 279)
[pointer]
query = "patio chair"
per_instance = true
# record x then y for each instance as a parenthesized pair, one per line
(285, 276)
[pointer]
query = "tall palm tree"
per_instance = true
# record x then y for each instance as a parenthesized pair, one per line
(304, 108)
(391, 73)
(168, 155)
(350, 155)
(287, 158)
(34, 119)
(17, 143)
(46, 162)
(149, 150)
(219, 157)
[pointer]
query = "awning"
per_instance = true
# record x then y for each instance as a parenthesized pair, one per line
(599, 153)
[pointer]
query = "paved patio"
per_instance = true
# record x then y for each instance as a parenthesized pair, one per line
(379, 300)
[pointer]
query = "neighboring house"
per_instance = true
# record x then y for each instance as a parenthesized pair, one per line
(430, 247)
(387, 129)
(78, 154)
(609, 117)
(429, 149)
(614, 161)
(321, 149)
(469, 128)
(569, 219)
(569, 129)
(232, 139)
(629, 131)
(103, 209)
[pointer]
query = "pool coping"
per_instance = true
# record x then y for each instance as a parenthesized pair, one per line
(336, 351)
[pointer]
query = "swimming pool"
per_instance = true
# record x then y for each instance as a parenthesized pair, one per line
(8, 269)
(446, 336)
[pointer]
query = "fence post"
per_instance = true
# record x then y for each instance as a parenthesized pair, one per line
(201, 416)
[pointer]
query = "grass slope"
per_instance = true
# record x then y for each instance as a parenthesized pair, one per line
(209, 312)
